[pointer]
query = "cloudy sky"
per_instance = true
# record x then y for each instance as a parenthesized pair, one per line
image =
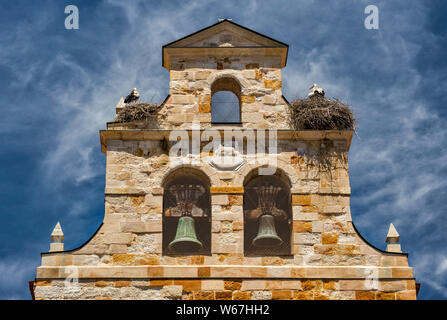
(59, 87)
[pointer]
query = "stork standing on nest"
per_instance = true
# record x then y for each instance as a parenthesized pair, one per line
(316, 92)
(133, 96)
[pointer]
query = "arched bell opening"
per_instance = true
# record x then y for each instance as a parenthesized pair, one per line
(267, 214)
(186, 213)
(225, 101)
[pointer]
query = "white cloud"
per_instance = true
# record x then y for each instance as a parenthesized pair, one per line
(431, 269)
(14, 275)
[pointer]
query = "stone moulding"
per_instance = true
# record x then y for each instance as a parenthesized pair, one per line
(159, 134)
(126, 191)
(235, 271)
(227, 190)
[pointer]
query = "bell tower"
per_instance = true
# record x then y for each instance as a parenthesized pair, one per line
(215, 194)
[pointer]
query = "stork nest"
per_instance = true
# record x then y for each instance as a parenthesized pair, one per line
(137, 111)
(319, 113)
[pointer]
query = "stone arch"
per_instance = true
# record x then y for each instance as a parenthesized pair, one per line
(226, 100)
(279, 173)
(186, 201)
(231, 74)
(286, 170)
(267, 196)
(208, 173)
(226, 83)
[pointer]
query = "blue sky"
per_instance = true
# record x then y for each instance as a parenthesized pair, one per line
(59, 88)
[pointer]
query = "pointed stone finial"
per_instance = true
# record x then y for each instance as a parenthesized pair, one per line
(120, 105)
(392, 239)
(57, 238)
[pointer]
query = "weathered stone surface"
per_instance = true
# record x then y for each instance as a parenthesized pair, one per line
(204, 272)
(365, 295)
(406, 295)
(172, 292)
(189, 285)
(329, 238)
(272, 84)
(204, 295)
(261, 295)
(303, 295)
(202, 75)
(224, 295)
(301, 200)
(281, 295)
(227, 190)
(302, 226)
(385, 296)
(204, 107)
(232, 285)
(248, 99)
(126, 260)
(123, 259)
(306, 238)
(241, 295)
(235, 200)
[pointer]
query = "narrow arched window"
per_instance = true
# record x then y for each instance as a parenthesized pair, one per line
(225, 101)
(186, 213)
(267, 215)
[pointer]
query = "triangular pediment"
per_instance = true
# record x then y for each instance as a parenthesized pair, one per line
(225, 39)
(226, 34)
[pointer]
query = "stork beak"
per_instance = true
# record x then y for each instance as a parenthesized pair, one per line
(311, 87)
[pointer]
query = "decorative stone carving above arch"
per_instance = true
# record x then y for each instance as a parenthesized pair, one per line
(226, 159)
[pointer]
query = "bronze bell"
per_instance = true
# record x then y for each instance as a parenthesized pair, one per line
(186, 196)
(267, 236)
(185, 239)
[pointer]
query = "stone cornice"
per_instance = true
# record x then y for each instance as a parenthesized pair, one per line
(226, 190)
(160, 134)
(224, 271)
(187, 52)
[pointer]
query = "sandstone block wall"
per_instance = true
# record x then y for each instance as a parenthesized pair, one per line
(262, 104)
(124, 259)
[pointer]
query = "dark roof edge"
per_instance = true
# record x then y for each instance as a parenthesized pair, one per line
(213, 25)
(285, 99)
(374, 247)
(80, 247)
(229, 21)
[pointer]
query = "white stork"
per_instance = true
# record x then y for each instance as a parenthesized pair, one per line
(133, 96)
(316, 92)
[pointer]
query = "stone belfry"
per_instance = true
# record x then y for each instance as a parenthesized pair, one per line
(211, 219)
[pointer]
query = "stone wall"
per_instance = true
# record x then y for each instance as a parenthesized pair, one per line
(262, 104)
(226, 289)
(329, 260)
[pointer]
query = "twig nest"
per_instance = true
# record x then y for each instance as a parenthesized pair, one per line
(137, 111)
(319, 113)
